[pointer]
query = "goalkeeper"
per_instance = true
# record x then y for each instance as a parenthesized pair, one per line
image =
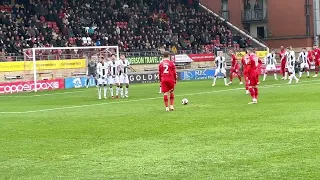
(91, 72)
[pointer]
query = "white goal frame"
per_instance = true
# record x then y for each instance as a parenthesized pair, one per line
(63, 48)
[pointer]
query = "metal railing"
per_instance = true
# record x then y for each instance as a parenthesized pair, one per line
(254, 15)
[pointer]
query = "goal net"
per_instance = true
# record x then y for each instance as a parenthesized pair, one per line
(54, 68)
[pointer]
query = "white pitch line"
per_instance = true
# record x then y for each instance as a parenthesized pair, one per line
(60, 93)
(146, 99)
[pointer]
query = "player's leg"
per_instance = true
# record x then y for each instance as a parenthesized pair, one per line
(224, 72)
(165, 90)
(239, 75)
(274, 69)
(105, 89)
(301, 69)
(215, 77)
(231, 75)
(118, 86)
(126, 94)
(121, 85)
(246, 82)
(282, 69)
(172, 84)
(266, 73)
(316, 66)
(111, 83)
(160, 90)
(252, 88)
(99, 87)
(307, 69)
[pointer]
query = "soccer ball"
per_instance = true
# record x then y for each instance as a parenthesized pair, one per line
(184, 101)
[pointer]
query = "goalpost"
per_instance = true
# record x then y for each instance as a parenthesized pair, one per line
(49, 63)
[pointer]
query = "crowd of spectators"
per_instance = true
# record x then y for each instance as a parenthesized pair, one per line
(133, 25)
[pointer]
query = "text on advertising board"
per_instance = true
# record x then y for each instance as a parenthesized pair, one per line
(144, 78)
(144, 60)
(16, 87)
(42, 65)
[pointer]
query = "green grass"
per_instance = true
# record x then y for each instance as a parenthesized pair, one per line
(71, 134)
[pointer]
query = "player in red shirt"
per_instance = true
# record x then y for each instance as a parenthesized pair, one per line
(283, 61)
(245, 69)
(168, 80)
(253, 77)
(316, 58)
(235, 67)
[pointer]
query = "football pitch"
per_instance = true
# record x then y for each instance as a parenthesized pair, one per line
(70, 134)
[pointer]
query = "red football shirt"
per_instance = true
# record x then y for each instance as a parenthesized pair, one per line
(167, 71)
(234, 60)
(316, 54)
(282, 54)
(245, 64)
(252, 64)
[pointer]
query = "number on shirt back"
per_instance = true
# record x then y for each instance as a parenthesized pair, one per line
(166, 68)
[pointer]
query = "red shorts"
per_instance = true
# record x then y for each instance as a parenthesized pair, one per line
(253, 79)
(317, 62)
(167, 85)
(235, 69)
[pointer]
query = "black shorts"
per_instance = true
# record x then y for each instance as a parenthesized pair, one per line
(92, 74)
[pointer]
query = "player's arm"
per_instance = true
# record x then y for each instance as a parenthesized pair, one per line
(160, 72)
(174, 71)
(99, 70)
(275, 61)
(215, 63)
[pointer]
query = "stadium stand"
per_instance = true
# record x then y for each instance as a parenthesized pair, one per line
(133, 25)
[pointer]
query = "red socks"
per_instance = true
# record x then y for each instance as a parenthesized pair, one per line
(256, 92)
(252, 93)
(165, 98)
(239, 78)
(171, 98)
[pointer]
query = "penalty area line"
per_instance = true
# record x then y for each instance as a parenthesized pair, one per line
(154, 98)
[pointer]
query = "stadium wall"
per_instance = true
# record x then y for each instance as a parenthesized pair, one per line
(286, 20)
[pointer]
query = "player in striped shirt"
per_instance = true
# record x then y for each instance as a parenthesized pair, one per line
(124, 79)
(304, 62)
(102, 71)
(220, 68)
(291, 60)
(114, 70)
(270, 62)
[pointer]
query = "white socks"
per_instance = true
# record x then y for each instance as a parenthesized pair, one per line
(264, 77)
(111, 91)
(105, 89)
(99, 92)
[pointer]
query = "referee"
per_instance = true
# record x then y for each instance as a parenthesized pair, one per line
(91, 72)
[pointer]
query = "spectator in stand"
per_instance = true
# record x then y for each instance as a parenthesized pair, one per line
(132, 25)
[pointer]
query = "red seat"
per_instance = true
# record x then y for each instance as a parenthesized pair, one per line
(49, 24)
(42, 19)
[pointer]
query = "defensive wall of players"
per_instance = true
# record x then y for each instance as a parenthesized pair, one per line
(71, 77)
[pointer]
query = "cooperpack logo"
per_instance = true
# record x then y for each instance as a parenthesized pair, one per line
(15, 88)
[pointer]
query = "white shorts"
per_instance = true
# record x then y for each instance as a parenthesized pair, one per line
(304, 65)
(102, 81)
(124, 79)
(220, 70)
(271, 67)
(114, 80)
(291, 69)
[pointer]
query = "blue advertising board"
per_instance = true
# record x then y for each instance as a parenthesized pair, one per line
(78, 82)
(198, 74)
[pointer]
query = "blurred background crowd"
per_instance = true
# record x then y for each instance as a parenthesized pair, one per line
(133, 25)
